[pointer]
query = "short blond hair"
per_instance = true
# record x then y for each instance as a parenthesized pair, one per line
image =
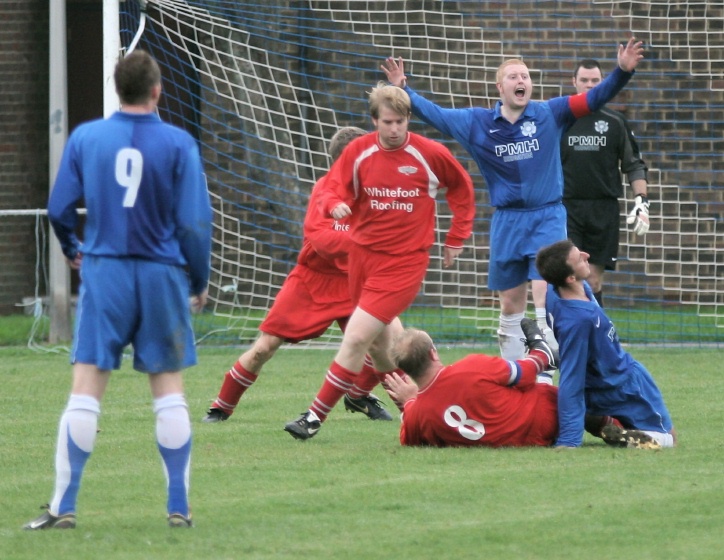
(411, 352)
(506, 63)
(390, 96)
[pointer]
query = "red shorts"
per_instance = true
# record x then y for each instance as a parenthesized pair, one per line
(385, 285)
(307, 304)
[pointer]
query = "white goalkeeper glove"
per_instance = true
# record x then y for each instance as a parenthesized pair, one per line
(639, 216)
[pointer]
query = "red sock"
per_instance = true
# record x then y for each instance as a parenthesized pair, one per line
(366, 380)
(337, 382)
(595, 424)
(236, 381)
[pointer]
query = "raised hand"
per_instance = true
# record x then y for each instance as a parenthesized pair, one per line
(394, 69)
(630, 55)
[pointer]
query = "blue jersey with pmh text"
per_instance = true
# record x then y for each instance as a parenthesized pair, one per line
(521, 161)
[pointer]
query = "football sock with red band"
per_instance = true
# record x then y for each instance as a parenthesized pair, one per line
(236, 381)
(337, 382)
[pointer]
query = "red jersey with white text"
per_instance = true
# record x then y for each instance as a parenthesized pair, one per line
(392, 193)
(482, 400)
(326, 241)
(315, 294)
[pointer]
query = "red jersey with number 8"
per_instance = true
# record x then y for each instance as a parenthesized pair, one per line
(471, 403)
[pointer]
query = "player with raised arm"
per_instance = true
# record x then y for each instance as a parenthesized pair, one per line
(314, 295)
(146, 246)
(516, 146)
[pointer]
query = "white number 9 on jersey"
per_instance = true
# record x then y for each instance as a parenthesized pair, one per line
(129, 170)
(455, 417)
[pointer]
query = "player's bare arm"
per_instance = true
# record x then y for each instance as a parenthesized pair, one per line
(630, 55)
(394, 69)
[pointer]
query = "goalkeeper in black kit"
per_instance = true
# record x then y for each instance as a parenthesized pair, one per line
(595, 151)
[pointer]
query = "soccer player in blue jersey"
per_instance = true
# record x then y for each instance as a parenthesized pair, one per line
(517, 148)
(597, 376)
(146, 249)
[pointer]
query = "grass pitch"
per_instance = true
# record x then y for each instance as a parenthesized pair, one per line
(352, 491)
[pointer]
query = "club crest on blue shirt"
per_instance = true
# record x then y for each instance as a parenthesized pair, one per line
(528, 129)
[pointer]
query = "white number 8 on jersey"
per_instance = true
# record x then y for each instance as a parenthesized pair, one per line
(455, 417)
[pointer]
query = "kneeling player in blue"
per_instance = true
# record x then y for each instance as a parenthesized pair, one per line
(597, 376)
(147, 242)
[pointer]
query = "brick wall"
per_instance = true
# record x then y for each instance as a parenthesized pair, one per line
(23, 140)
(543, 32)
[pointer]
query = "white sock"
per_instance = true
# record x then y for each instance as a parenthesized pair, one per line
(540, 319)
(545, 377)
(76, 439)
(173, 426)
(510, 337)
(173, 434)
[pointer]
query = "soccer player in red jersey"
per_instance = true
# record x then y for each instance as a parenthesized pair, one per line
(487, 400)
(386, 183)
(314, 295)
(479, 400)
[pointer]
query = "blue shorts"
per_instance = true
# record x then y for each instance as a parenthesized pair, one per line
(638, 403)
(132, 301)
(516, 235)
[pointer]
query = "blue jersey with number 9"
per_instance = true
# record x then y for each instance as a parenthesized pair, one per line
(144, 189)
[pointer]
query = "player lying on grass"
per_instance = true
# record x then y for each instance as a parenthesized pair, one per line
(484, 400)
(597, 376)
(314, 295)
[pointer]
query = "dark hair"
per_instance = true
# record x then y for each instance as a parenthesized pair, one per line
(588, 64)
(135, 75)
(551, 262)
(411, 352)
(341, 138)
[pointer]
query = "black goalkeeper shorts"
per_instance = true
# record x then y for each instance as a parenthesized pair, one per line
(594, 227)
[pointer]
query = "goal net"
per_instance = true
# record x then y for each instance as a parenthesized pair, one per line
(690, 31)
(264, 85)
